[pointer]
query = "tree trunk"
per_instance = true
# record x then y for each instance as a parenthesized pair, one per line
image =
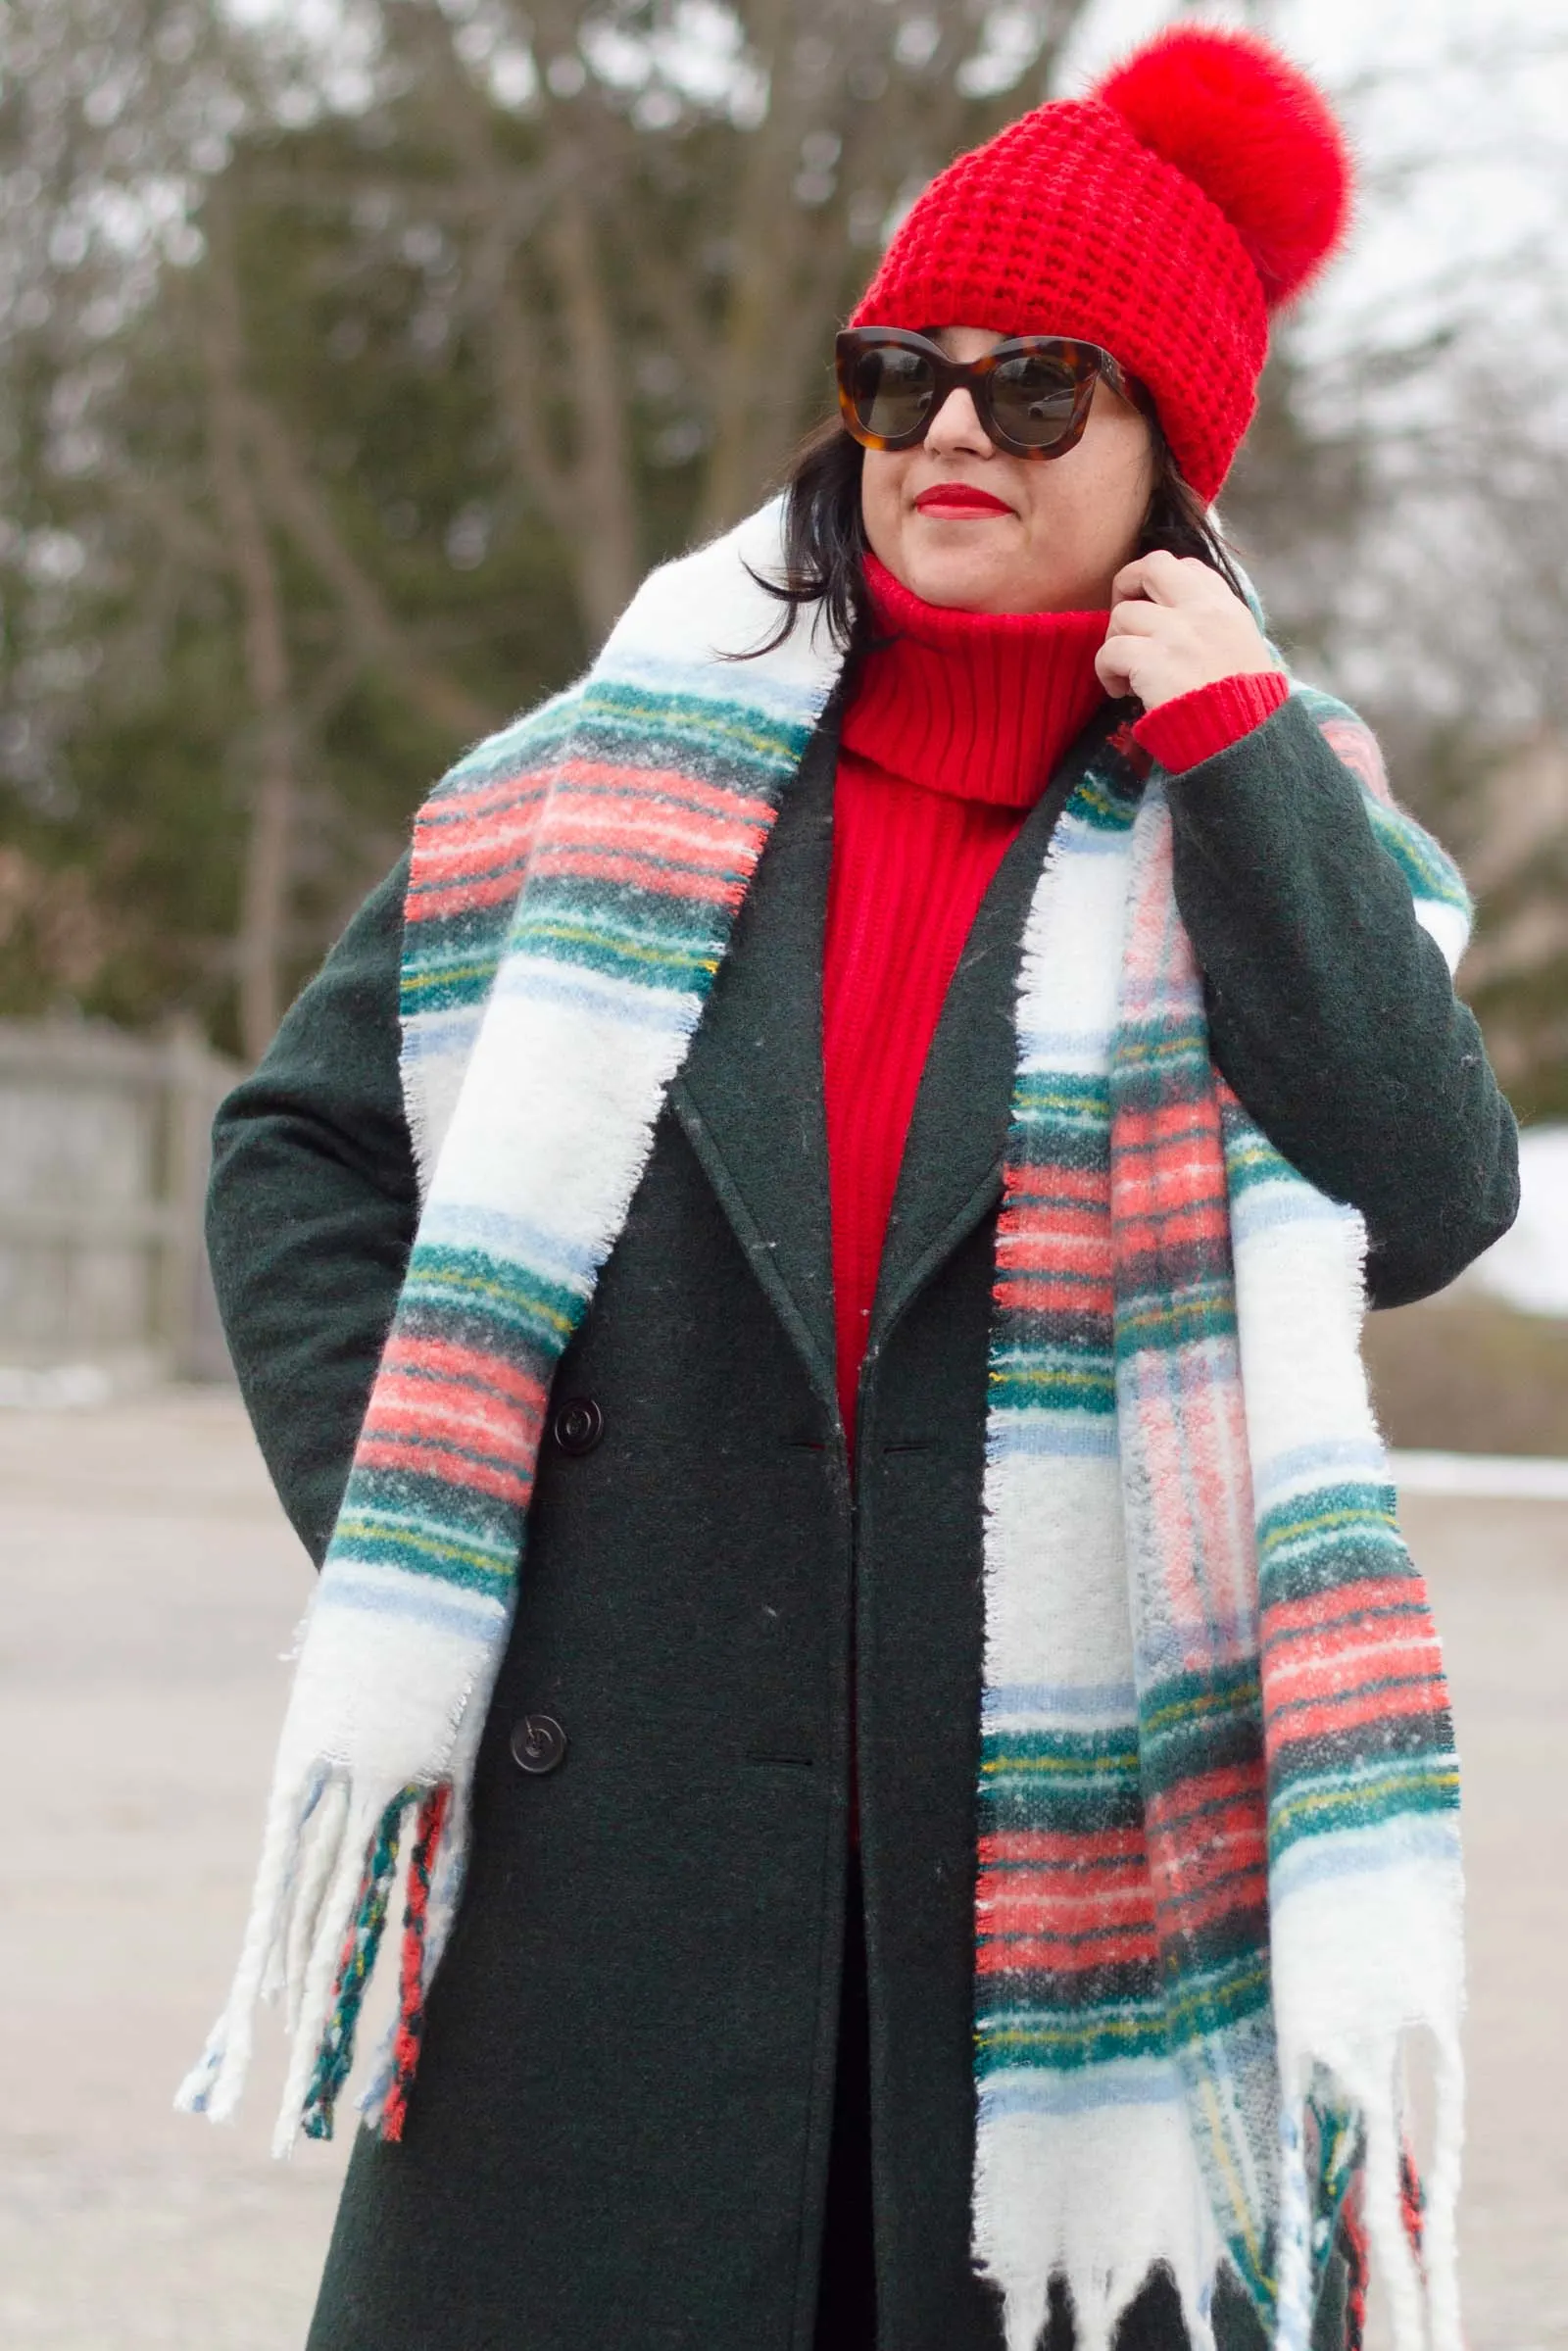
(588, 492)
(797, 265)
(603, 543)
(261, 939)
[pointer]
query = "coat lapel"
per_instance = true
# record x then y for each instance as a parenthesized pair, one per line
(951, 1174)
(750, 1095)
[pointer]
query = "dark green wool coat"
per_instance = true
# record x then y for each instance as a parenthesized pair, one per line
(620, 2131)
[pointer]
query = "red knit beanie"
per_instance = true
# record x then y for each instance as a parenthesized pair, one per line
(1197, 187)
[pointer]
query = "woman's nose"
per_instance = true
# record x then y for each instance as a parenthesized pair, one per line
(955, 428)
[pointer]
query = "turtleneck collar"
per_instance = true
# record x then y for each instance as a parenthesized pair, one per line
(980, 706)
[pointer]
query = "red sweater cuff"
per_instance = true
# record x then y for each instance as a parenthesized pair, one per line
(1198, 726)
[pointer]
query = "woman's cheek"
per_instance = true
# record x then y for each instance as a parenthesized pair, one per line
(880, 476)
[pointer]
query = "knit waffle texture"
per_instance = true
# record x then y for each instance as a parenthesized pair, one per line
(1064, 224)
(1162, 217)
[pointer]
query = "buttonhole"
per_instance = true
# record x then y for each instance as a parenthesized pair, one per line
(911, 1445)
(804, 1763)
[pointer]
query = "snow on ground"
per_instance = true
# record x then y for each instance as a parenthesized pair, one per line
(1528, 1267)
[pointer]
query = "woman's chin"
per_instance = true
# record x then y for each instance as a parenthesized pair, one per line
(963, 579)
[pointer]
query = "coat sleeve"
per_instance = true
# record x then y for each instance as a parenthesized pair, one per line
(312, 1212)
(1331, 1014)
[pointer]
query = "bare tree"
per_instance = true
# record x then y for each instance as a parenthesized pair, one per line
(618, 216)
(865, 105)
(502, 304)
(264, 884)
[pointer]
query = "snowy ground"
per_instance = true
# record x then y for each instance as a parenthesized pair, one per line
(147, 1588)
(1528, 1267)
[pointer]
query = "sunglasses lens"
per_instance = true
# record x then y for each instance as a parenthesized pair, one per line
(1033, 397)
(890, 390)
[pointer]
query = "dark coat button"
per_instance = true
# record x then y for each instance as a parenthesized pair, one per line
(538, 1744)
(578, 1425)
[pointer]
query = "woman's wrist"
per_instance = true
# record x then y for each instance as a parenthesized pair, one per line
(1198, 725)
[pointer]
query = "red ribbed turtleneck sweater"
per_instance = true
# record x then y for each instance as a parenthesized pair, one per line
(957, 725)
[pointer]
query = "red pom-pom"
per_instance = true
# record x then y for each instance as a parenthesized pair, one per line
(1254, 134)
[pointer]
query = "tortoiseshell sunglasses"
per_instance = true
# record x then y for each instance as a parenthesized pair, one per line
(1032, 394)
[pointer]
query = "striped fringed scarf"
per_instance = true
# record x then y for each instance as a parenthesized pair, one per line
(1218, 1838)
(1218, 1871)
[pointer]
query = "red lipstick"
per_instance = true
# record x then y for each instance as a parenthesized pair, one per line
(960, 498)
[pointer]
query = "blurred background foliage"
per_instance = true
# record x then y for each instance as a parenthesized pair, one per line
(359, 355)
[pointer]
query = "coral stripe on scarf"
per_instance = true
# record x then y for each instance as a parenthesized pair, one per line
(1218, 1875)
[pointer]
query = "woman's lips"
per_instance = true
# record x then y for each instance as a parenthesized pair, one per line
(960, 498)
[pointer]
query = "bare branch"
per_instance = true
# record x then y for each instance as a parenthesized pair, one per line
(182, 531)
(305, 512)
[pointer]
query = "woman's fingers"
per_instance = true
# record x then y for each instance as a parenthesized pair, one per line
(1171, 579)
(1112, 664)
(1175, 626)
(1139, 619)
(1164, 579)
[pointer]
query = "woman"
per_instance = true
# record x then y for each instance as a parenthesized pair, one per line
(905, 1364)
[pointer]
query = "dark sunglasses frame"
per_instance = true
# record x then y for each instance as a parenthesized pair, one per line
(1086, 363)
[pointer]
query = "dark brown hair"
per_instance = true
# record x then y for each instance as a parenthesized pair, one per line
(825, 544)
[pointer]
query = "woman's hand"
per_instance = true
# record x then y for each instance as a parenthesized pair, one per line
(1175, 626)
